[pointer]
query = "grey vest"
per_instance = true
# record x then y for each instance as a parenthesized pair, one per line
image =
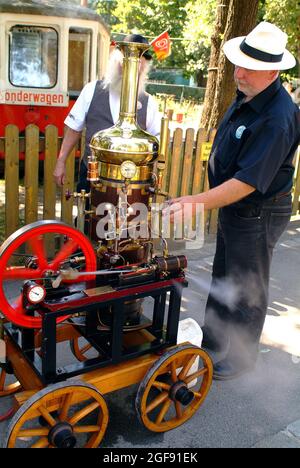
(99, 115)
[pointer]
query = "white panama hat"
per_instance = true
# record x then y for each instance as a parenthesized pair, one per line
(263, 49)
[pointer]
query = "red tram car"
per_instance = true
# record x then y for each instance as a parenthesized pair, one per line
(48, 51)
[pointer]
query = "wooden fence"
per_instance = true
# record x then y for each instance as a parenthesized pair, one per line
(186, 174)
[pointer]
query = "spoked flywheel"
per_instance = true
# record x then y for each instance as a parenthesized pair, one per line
(174, 388)
(64, 415)
(25, 257)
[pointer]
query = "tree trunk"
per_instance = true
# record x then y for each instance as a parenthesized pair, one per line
(240, 18)
(216, 40)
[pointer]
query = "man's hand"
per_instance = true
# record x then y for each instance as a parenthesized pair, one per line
(71, 138)
(59, 173)
(176, 205)
(225, 194)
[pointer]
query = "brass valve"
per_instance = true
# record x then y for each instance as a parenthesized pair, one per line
(82, 194)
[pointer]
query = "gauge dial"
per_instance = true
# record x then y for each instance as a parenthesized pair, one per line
(36, 293)
(128, 169)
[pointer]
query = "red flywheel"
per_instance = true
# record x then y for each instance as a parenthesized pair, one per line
(31, 240)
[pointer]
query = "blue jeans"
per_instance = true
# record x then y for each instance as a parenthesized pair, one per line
(238, 300)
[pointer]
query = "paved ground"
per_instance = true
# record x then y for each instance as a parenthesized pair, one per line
(260, 409)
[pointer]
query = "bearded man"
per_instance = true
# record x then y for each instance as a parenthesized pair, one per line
(97, 108)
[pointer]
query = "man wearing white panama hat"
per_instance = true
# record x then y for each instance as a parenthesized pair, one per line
(250, 174)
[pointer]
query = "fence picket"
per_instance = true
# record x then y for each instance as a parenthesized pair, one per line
(51, 149)
(296, 191)
(49, 212)
(185, 173)
(67, 204)
(176, 163)
(31, 173)
(213, 214)
(198, 178)
(11, 178)
(166, 176)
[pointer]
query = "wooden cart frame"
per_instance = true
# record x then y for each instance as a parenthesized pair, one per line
(52, 407)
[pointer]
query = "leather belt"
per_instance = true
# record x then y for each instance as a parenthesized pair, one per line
(281, 195)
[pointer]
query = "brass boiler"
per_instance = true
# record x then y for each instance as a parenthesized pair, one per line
(122, 164)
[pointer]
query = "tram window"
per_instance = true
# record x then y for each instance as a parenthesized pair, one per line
(33, 56)
(80, 40)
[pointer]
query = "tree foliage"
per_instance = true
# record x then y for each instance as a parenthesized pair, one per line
(198, 28)
(194, 22)
(106, 9)
(286, 15)
(150, 18)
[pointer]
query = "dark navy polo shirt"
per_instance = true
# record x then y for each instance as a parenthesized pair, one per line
(256, 143)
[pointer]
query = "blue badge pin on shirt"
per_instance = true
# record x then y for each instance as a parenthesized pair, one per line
(239, 132)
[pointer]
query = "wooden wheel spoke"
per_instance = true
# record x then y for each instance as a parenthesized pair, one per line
(178, 408)
(84, 429)
(157, 401)
(2, 379)
(197, 394)
(35, 432)
(193, 376)
(85, 348)
(65, 408)
(38, 249)
(83, 412)
(67, 249)
(161, 385)
(186, 367)
(163, 411)
(7, 389)
(47, 416)
(41, 443)
(173, 371)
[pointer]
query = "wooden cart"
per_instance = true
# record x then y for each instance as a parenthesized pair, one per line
(62, 404)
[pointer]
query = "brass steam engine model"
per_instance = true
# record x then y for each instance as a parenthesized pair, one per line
(107, 293)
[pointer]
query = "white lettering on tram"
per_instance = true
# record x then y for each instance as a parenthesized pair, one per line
(37, 98)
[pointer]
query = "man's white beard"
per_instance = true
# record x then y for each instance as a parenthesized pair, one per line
(113, 77)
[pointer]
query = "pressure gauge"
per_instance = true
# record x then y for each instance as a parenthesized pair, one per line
(35, 293)
(128, 169)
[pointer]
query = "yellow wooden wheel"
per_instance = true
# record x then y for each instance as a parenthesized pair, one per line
(80, 347)
(165, 397)
(8, 388)
(64, 415)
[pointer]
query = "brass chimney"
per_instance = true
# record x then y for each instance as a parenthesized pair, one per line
(126, 141)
